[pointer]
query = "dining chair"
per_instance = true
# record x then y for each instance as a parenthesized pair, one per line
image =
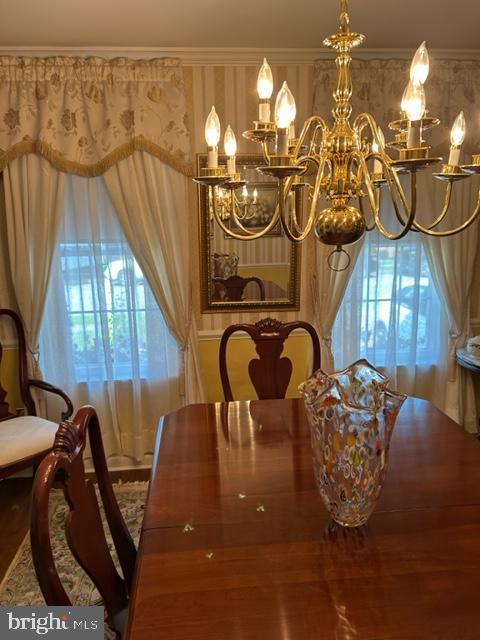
(83, 524)
(234, 287)
(25, 440)
(270, 373)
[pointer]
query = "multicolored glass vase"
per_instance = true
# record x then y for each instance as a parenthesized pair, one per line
(352, 415)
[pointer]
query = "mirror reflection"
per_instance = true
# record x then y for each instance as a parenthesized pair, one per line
(257, 273)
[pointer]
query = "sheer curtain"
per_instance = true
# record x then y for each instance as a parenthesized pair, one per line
(391, 314)
(152, 205)
(328, 290)
(104, 339)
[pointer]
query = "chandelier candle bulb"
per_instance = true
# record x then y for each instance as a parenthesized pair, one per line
(265, 90)
(285, 108)
(420, 65)
(212, 137)
(285, 111)
(413, 103)
(230, 147)
(457, 136)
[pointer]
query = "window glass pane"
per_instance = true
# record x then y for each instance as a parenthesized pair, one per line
(391, 313)
(115, 313)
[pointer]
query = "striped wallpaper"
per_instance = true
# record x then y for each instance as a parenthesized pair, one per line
(232, 89)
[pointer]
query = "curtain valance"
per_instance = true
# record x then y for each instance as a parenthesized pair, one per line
(378, 85)
(86, 114)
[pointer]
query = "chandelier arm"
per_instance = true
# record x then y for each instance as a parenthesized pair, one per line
(301, 235)
(376, 191)
(251, 235)
(393, 198)
(320, 124)
(238, 217)
(450, 232)
(376, 213)
(313, 142)
(361, 208)
(360, 122)
(368, 182)
(389, 173)
(385, 159)
(281, 204)
(446, 207)
(288, 189)
(234, 215)
(236, 207)
(364, 119)
(411, 214)
(265, 152)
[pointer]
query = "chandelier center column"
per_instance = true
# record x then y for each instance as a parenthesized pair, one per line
(343, 91)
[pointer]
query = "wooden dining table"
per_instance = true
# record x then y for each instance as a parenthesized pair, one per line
(236, 543)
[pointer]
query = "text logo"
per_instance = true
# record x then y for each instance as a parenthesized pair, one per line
(58, 623)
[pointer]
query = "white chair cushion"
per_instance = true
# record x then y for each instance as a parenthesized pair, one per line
(24, 436)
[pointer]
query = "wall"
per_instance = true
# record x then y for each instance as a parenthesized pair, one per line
(9, 378)
(240, 351)
(232, 89)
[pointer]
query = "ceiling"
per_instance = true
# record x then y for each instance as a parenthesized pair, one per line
(245, 23)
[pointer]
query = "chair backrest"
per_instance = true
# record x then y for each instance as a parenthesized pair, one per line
(84, 530)
(270, 374)
(25, 382)
(25, 390)
(235, 286)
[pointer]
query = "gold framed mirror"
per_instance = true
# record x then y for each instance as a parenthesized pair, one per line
(253, 275)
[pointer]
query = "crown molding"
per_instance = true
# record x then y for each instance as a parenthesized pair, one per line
(229, 56)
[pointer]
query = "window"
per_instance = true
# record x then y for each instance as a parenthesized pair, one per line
(391, 313)
(101, 312)
(112, 310)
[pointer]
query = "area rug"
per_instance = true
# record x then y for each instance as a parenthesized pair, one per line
(20, 587)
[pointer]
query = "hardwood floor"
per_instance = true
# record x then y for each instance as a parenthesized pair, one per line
(15, 511)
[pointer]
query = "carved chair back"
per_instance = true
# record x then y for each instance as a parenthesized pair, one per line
(235, 286)
(84, 530)
(25, 382)
(270, 373)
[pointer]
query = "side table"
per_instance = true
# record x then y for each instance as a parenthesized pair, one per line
(467, 361)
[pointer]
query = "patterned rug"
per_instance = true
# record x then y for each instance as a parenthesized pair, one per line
(20, 587)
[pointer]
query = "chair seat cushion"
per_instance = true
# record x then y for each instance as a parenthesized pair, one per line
(25, 436)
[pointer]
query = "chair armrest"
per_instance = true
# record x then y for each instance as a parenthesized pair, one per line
(46, 386)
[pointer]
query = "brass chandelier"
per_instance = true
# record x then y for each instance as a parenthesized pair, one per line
(346, 162)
